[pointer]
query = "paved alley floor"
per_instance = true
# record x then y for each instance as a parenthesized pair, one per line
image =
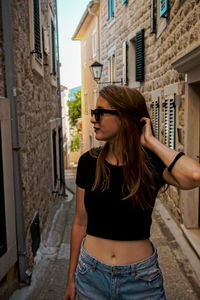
(50, 274)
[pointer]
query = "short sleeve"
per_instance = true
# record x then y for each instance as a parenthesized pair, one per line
(81, 178)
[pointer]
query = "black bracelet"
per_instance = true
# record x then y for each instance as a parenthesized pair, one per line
(175, 160)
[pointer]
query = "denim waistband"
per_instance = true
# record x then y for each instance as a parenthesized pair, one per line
(122, 269)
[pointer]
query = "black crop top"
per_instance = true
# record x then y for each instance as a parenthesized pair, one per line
(110, 217)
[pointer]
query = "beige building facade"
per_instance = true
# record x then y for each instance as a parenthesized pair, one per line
(88, 33)
(31, 166)
(154, 46)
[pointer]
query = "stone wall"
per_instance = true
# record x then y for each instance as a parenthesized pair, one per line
(175, 34)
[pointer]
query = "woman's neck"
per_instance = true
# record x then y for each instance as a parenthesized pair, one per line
(114, 155)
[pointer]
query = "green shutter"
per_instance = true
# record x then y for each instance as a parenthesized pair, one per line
(36, 18)
(172, 124)
(153, 17)
(140, 55)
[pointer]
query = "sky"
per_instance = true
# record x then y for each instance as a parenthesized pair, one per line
(70, 13)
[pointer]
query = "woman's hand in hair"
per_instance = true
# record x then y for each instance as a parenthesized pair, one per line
(146, 132)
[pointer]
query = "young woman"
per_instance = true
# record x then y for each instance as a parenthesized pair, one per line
(112, 256)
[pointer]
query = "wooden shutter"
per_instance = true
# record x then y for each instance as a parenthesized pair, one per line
(170, 123)
(125, 62)
(153, 17)
(140, 55)
(163, 7)
(3, 242)
(36, 18)
(166, 122)
(55, 172)
(53, 48)
(155, 117)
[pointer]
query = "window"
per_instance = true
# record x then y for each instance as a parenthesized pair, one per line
(3, 242)
(37, 29)
(155, 117)
(170, 123)
(125, 62)
(110, 8)
(60, 155)
(36, 43)
(94, 43)
(111, 68)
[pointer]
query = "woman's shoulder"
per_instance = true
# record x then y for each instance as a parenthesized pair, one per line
(90, 155)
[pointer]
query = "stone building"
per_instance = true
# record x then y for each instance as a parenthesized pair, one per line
(31, 160)
(154, 46)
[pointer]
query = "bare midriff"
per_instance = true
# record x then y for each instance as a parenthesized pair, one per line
(113, 252)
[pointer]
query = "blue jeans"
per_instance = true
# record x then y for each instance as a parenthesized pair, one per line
(98, 281)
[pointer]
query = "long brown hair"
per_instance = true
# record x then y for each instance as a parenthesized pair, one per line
(138, 171)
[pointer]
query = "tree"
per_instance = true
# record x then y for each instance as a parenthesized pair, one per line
(74, 108)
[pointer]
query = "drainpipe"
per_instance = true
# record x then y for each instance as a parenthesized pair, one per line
(59, 102)
(11, 95)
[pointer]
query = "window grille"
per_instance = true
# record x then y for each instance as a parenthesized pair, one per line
(163, 7)
(140, 55)
(170, 124)
(110, 8)
(55, 172)
(3, 242)
(36, 18)
(53, 48)
(125, 63)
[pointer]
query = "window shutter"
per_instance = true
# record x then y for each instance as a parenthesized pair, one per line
(157, 121)
(53, 48)
(172, 124)
(140, 55)
(36, 18)
(110, 7)
(124, 1)
(113, 68)
(166, 123)
(55, 172)
(125, 62)
(163, 7)
(153, 17)
(3, 242)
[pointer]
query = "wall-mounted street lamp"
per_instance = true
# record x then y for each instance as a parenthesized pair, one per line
(96, 70)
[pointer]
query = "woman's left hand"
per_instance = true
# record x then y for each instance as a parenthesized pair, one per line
(146, 134)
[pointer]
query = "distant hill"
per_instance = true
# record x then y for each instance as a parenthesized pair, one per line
(72, 91)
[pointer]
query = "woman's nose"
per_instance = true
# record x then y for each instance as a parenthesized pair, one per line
(92, 119)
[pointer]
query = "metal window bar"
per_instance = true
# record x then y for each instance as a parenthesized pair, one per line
(53, 48)
(36, 18)
(54, 157)
(3, 241)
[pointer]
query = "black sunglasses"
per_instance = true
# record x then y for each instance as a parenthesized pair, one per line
(98, 112)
